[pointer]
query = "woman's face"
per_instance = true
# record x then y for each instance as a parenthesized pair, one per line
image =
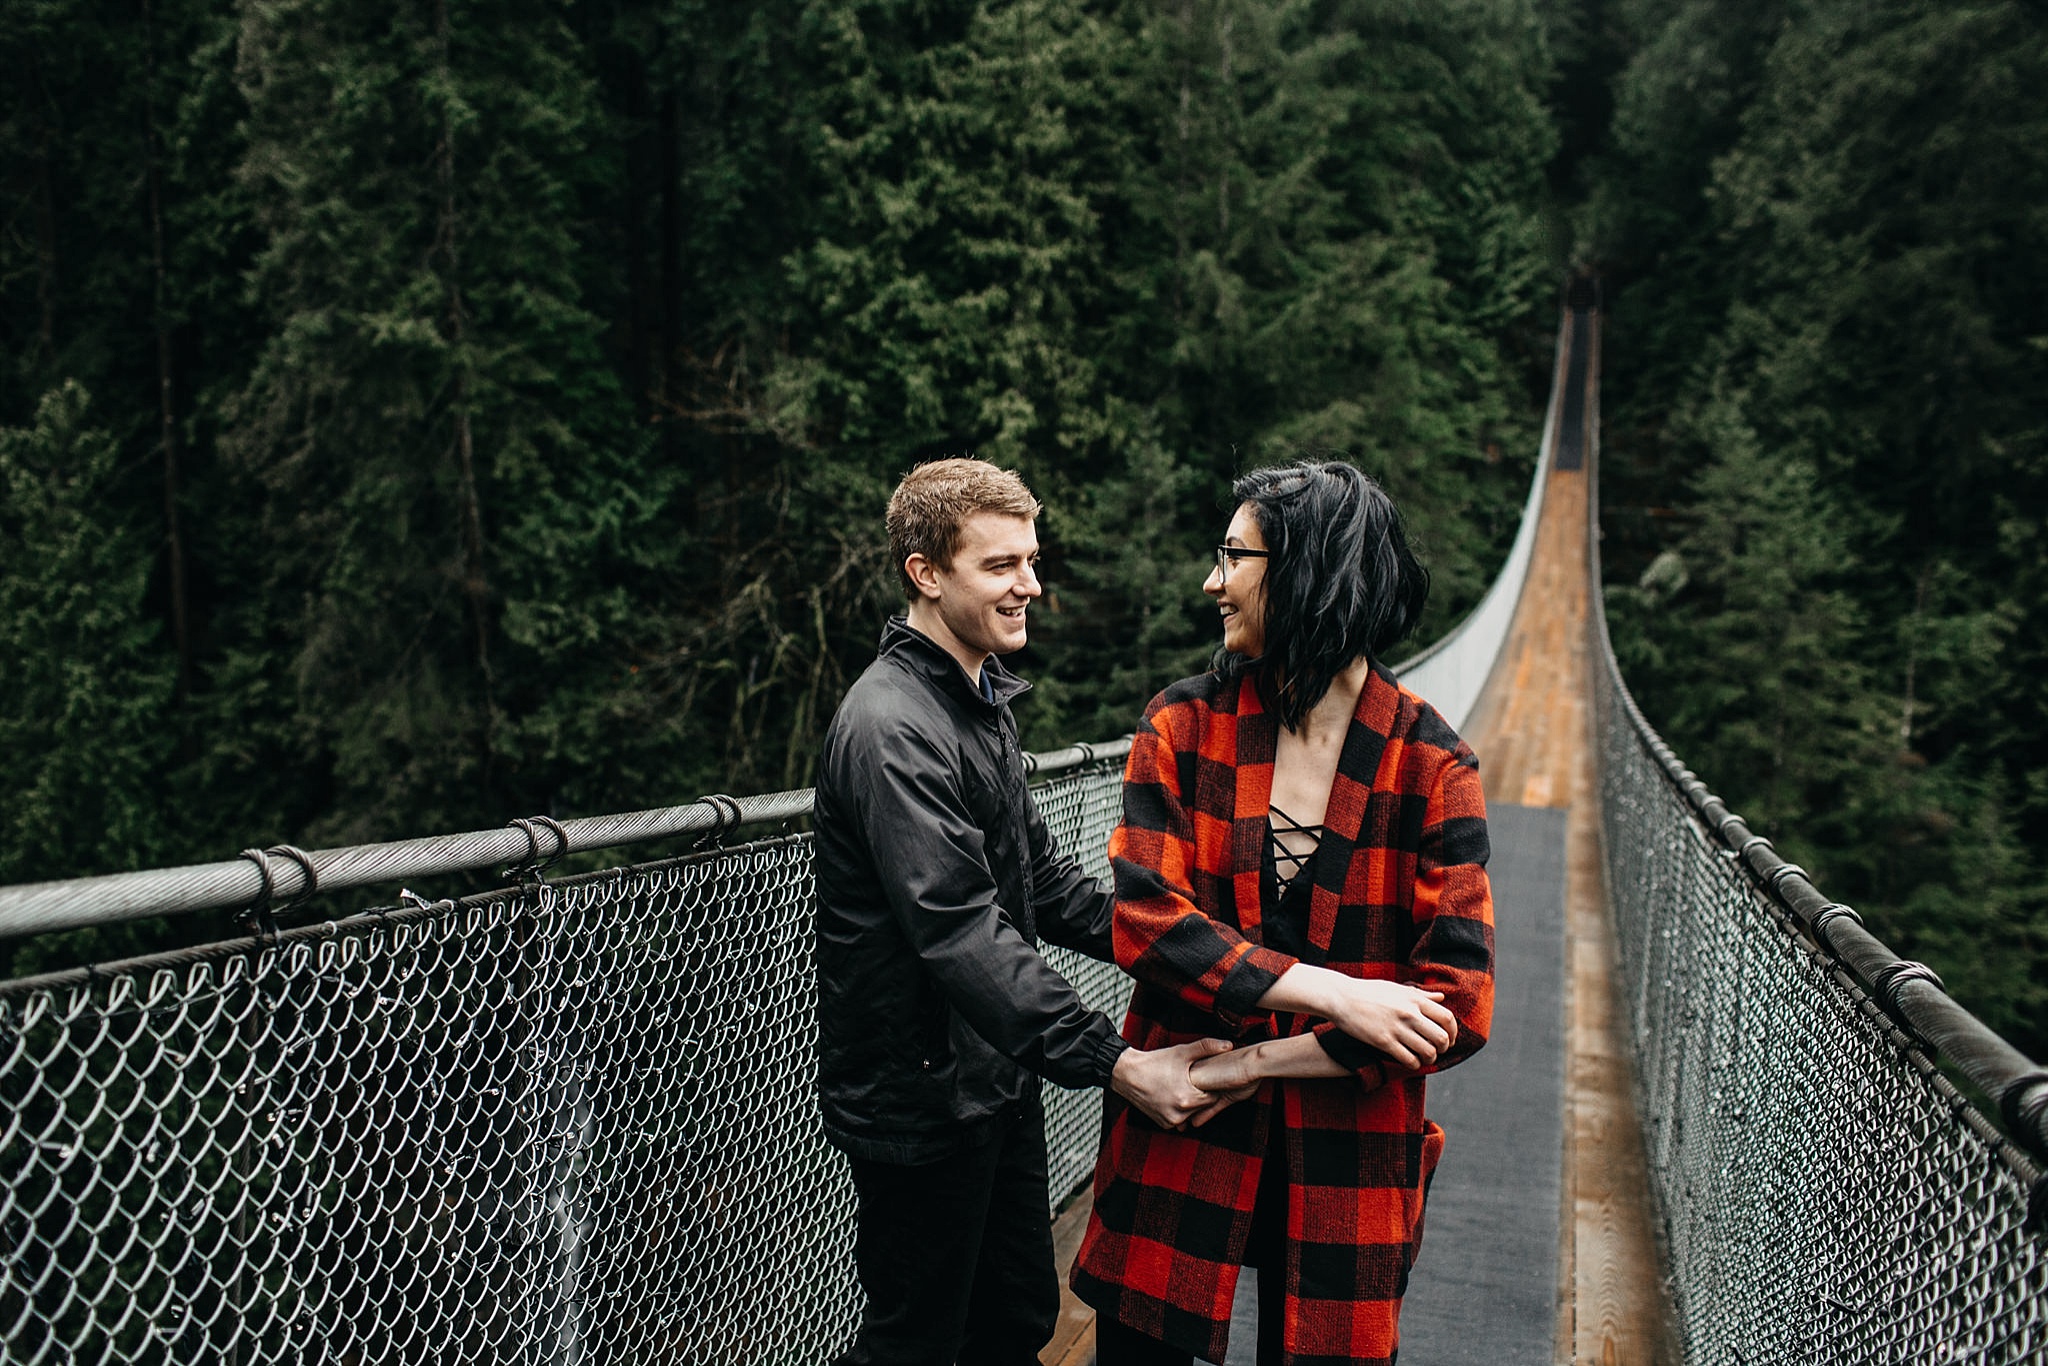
(1238, 585)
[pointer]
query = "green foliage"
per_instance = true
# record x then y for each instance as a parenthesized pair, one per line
(83, 690)
(1829, 230)
(497, 399)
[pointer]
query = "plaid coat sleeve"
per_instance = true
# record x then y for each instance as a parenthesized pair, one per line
(1158, 853)
(1450, 915)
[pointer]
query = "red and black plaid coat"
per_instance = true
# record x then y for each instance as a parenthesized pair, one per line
(1399, 892)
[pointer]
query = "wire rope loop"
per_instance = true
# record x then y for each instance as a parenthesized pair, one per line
(1779, 874)
(1833, 911)
(536, 866)
(2024, 1100)
(726, 817)
(257, 915)
(311, 885)
(1892, 976)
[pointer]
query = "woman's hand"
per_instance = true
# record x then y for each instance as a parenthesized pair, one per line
(1408, 1024)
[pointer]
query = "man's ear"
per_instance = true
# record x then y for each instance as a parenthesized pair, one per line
(923, 575)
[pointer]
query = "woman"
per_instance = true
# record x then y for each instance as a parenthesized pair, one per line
(1301, 869)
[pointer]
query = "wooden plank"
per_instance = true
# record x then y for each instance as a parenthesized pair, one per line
(1073, 1340)
(1532, 730)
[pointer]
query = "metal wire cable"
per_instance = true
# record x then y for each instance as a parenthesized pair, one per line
(40, 907)
(1824, 1193)
(568, 1122)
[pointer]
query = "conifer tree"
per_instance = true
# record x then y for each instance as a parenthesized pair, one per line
(84, 687)
(441, 447)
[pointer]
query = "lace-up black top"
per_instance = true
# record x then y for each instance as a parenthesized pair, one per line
(1284, 885)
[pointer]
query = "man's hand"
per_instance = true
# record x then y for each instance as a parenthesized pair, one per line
(1409, 1025)
(1227, 1078)
(1157, 1082)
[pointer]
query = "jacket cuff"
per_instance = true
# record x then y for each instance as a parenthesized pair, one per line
(1355, 1054)
(1251, 977)
(1107, 1051)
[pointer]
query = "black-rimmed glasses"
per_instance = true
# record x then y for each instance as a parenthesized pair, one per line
(1227, 555)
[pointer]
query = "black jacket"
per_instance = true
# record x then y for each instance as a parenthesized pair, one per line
(936, 878)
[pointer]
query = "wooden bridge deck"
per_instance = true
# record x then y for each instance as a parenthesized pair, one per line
(1532, 729)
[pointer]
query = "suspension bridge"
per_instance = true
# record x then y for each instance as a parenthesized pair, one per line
(570, 1119)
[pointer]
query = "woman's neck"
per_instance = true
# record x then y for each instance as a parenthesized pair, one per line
(1332, 715)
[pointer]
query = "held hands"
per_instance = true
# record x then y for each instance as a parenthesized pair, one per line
(1189, 1084)
(1226, 1078)
(1158, 1082)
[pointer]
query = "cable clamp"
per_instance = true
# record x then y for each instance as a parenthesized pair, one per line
(260, 915)
(257, 916)
(1885, 986)
(726, 816)
(1830, 913)
(1779, 874)
(535, 866)
(310, 885)
(1754, 841)
(2024, 1101)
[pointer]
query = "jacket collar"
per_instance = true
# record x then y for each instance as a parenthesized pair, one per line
(923, 655)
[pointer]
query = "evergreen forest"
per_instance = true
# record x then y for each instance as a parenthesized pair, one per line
(420, 414)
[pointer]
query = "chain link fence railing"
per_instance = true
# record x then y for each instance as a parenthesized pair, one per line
(1826, 1194)
(567, 1122)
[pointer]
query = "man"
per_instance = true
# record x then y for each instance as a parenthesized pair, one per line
(936, 1014)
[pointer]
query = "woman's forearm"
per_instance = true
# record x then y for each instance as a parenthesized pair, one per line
(1304, 989)
(1300, 1056)
(1410, 1025)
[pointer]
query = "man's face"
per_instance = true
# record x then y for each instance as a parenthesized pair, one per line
(981, 599)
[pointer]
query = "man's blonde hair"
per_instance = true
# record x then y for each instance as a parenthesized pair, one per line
(934, 501)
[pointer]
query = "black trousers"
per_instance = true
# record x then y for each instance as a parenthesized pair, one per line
(956, 1255)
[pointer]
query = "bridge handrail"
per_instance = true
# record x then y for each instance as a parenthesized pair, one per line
(1909, 992)
(1452, 671)
(283, 875)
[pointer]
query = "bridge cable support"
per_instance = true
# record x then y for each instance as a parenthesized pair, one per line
(1778, 875)
(536, 867)
(1829, 914)
(260, 915)
(726, 816)
(1886, 981)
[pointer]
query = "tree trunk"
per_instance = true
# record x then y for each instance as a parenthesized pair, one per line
(469, 506)
(671, 271)
(167, 419)
(46, 218)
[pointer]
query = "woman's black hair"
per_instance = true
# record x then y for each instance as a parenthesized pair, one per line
(1340, 580)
